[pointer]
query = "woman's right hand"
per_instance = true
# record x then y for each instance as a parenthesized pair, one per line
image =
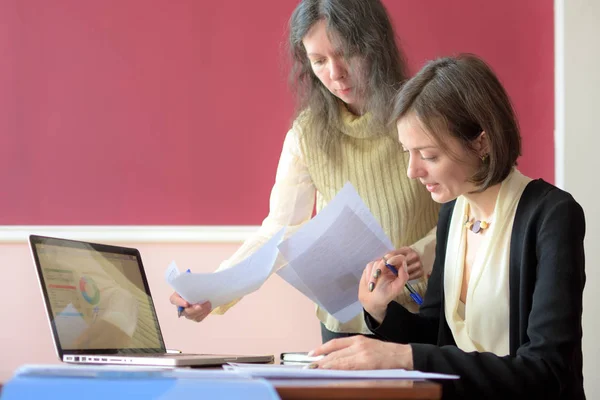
(195, 312)
(379, 286)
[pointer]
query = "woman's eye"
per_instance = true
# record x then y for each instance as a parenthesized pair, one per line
(430, 158)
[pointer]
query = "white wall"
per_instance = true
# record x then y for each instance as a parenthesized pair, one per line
(577, 27)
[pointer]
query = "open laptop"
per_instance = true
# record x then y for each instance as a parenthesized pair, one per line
(100, 309)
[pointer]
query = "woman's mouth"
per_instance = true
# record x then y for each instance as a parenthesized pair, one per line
(431, 187)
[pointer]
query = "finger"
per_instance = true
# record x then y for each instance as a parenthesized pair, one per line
(370, 277)
(333, 345)
(415, 267)
(404, 268)
(376, 273)
(178, 301)
(189, 313)
(396, 260)
(388, 271)
(412, 257)
(404, 251)
(408, 252)
(196, 316)
(415, 275)
(342, 359)
(200, 307)
(202, 316)
(349, 357)
(197, 312)
(377, 265)
(342, 363)
(400, 281)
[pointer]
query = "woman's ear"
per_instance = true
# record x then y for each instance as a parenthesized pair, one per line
(482, 144)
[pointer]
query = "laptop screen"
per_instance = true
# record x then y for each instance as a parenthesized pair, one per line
(97, 297)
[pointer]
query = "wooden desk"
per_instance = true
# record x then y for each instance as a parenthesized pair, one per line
(351, 389)
(316, 389)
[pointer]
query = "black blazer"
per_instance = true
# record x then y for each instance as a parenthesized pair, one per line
(546, 289)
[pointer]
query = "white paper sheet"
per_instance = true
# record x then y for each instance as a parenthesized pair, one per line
(123, 371)
(326, 257)
(230, 284)
(291, 277)
(297, 371)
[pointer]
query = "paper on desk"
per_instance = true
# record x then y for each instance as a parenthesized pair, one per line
(271, 371)
(121, 371)
(224, 286)
(326, 257)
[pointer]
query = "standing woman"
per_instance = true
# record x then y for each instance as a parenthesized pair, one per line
(504, 304)
(346, 70)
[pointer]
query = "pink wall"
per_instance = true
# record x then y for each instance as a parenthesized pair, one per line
(273, 320)
(151, 101)
(122, 113)
(516, 37)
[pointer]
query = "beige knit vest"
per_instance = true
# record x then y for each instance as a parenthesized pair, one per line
(376, 166)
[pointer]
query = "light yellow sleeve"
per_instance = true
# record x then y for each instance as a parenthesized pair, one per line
(425, 248)
(291, 205)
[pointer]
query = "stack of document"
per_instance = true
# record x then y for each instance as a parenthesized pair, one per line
(326, 258)
(230, 284)
(270, 371)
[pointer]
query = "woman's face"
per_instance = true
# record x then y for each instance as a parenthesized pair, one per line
(333, 70)
(445, 177)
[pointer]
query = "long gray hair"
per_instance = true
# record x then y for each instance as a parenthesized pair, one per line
(363, 30)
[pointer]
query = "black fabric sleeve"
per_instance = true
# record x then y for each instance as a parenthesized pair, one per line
(402, 326)
(548, 365)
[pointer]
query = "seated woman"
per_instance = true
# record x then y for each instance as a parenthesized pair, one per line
(503, 309)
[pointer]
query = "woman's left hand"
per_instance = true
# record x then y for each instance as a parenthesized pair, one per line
(360, 352)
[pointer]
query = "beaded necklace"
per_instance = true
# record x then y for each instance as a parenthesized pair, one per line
(475, 226)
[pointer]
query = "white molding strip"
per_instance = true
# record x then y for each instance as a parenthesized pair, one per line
(559, 93)
(131, 234)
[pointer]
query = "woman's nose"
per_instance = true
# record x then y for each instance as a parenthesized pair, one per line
(337, 70)
(413, 171)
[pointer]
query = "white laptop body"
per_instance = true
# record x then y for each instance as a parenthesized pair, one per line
(100, 309)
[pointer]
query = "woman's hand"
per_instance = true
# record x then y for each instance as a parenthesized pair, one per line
(195, 312)
(379, 285)
(360, 352)
(413, 261)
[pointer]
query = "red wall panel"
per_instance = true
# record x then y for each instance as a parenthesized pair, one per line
(135, 112)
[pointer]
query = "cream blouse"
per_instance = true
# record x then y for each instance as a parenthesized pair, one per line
(293, 199)
(482, 322)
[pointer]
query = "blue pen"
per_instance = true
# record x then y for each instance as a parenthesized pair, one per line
(180, 308)
(413, 293)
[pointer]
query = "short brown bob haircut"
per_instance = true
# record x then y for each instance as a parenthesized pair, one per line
(462, 96)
